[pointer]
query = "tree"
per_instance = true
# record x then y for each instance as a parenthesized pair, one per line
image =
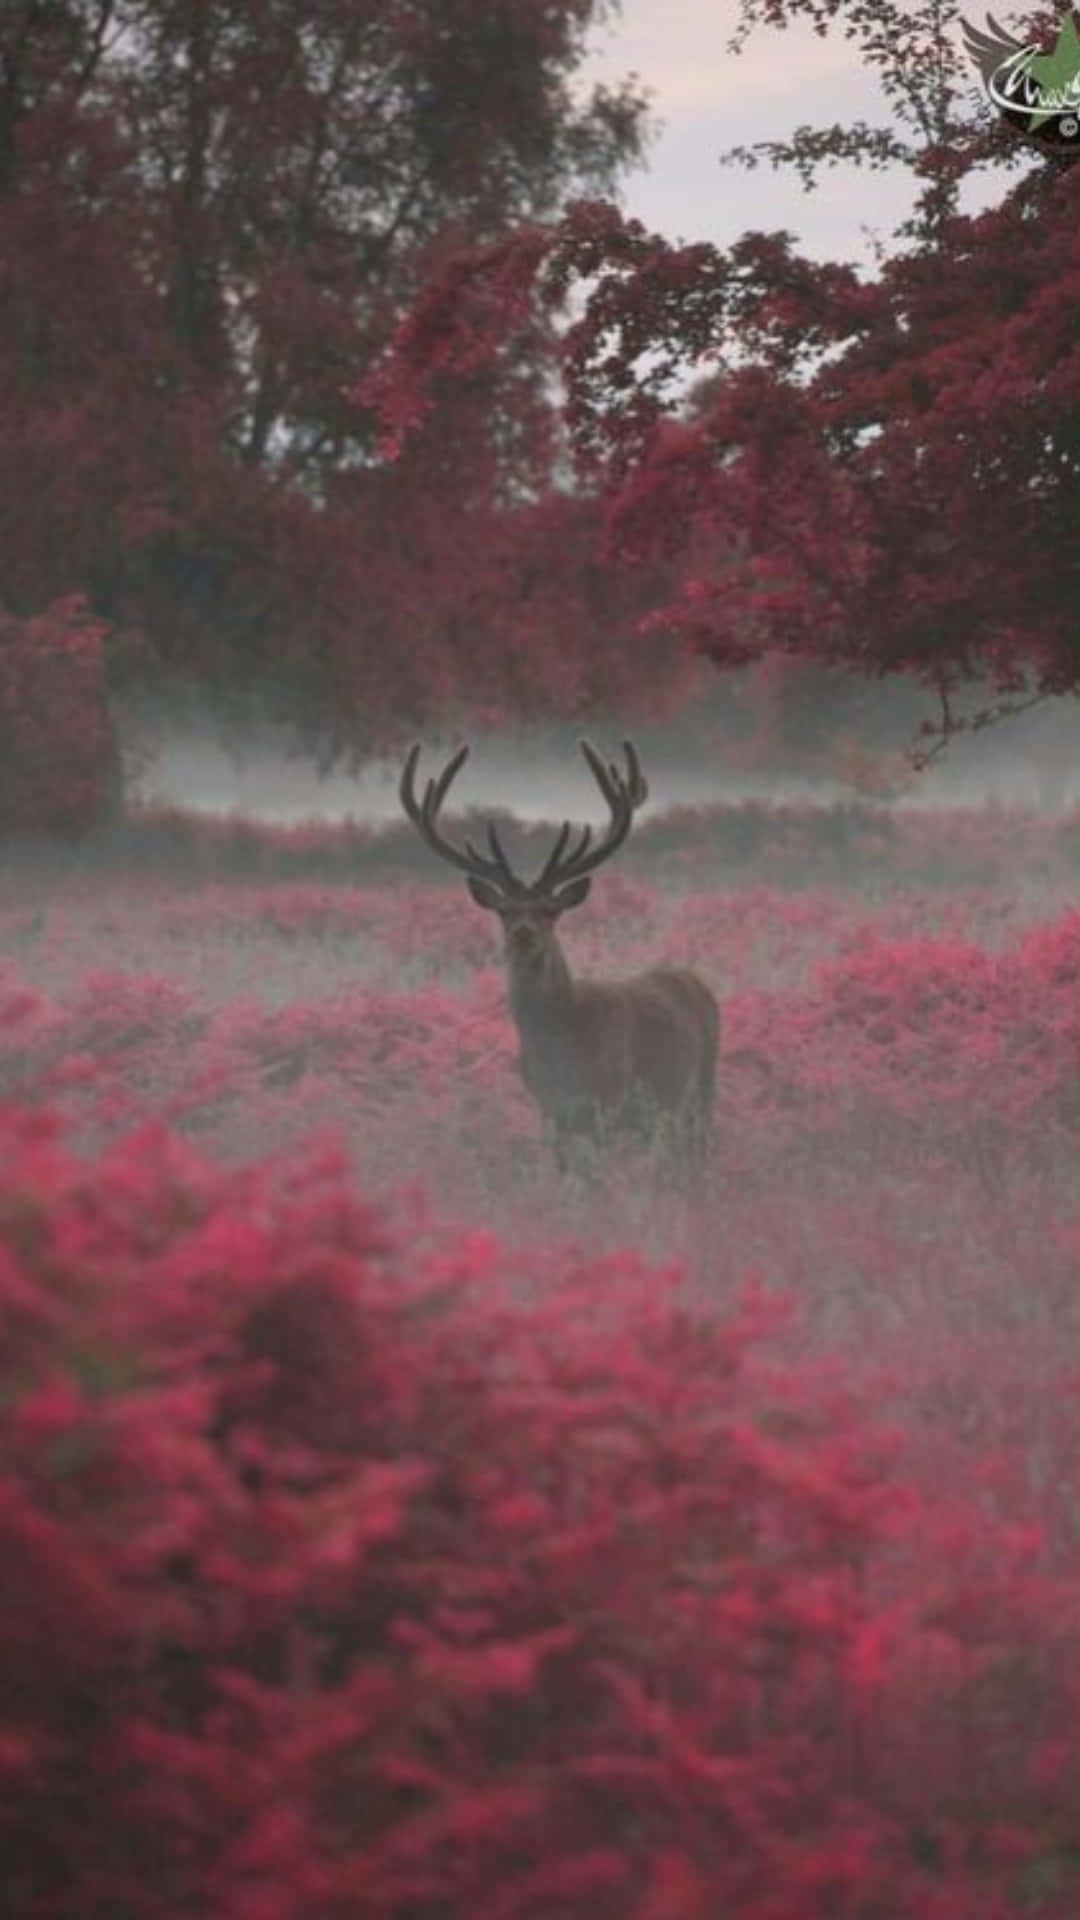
(879, 475)
(60, 765)
(213, 214)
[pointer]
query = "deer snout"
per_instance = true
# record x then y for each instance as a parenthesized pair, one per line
(524, 938)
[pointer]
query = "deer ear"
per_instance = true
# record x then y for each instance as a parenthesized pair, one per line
(483, 893)
(573, 895)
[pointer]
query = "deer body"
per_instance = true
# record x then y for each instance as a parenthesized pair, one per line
(618, 1056)
(599, 1057)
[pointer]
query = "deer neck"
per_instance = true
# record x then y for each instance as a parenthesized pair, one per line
(541, 989)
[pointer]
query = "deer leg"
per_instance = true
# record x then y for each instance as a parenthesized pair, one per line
(579, 1148)
(696, 1139)
(702, 1109)
(558, 1136)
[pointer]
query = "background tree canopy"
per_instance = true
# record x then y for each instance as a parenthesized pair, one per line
(329, 367)
(213, 215)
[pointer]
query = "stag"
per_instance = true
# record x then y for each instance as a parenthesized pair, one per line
(601, 1058)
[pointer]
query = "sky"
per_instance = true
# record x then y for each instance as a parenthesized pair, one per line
(708, 100)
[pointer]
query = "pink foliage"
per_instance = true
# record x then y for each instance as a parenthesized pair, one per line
(361, 1566)
(339, 1580)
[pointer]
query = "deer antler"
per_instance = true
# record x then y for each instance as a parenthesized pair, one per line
(424, 814)
(623, 793)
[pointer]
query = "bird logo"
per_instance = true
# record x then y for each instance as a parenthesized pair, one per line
(1037, 92)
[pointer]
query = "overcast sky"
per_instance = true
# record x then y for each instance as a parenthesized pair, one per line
(707, 100)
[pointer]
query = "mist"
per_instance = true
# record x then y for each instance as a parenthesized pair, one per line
(1029, 760)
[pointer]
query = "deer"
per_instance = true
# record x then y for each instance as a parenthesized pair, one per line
(603, 1060)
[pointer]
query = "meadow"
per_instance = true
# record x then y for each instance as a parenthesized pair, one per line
(877, 1283)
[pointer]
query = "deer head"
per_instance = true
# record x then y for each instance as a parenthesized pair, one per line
(529, 910)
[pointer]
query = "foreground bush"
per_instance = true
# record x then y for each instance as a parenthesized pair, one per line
(345, 1578)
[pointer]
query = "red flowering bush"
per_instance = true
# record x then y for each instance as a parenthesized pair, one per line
(346, 1578)
(59, 766)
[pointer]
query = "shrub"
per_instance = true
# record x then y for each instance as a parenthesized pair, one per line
(346, 1578)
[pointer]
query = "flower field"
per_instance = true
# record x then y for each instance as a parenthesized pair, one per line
(397, 1530)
